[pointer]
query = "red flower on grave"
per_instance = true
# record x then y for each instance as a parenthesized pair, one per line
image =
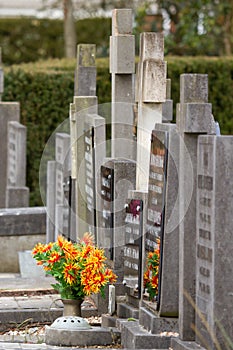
(151, 275)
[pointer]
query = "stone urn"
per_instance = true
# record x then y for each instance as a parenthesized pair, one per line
(72, 307)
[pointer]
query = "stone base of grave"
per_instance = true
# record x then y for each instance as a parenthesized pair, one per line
(82, 337)
(178, 344)
(127, 311)
(134, 336)
(155, 324)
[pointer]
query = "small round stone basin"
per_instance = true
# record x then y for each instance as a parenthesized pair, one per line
(70, 323)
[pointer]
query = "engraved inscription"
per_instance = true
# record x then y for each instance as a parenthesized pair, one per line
(204, 253)
(205, 182)
(205, 234)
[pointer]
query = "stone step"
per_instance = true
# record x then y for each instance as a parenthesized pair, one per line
(155, 324)
(178, 344)
(133, 336)
(82, 337)
(127, 311)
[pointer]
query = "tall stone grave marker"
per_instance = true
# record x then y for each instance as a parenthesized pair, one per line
(117, 177)
(95, 152)
(85, 73)
(17, 194)
(57, 198)
(83, 106)
(122, 68)
(163, 199)
(9, 111)
(214, 286)
(194, 117)
(151, 93)
(85, 85)
(62, 157)
(135, 222)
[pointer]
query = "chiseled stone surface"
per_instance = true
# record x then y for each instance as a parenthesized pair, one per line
(9, 111)
(193, 89)
(81, 337)
(155, 324)
(214, 283)
(177, 344)
(170, 267)
(133, 336)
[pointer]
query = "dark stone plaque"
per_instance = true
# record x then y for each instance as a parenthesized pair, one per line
(156, 195)
(107, 195)
(133, 241)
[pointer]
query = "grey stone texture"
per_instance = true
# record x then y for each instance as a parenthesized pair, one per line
(132, 281)
(127, 311)
(155, 324)
(9, 111)
(214, 284)
(83, 106)
(20, 229)
(123, 181)
(17, 195)
(178, 344)
(62, 181)
(81, 337)
(193, 89)
(85, 72)
(154, 73)
(133, 336)
(122, 69)
(122, 21)
(167, 107)
(94, 156)
(170, 265)
(50, 201)
(150, 96)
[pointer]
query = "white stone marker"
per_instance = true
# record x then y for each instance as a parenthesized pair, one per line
(151, 93)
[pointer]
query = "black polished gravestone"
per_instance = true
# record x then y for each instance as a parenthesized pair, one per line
(133, 246)
(156, 196)
(107, 194)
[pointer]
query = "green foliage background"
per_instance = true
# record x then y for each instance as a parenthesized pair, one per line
(32, 39)
(45, 90)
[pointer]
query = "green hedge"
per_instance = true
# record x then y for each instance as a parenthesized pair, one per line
(31, 39)
(45, 90)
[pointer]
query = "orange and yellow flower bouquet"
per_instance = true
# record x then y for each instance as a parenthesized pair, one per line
(151, 275)
(79, 268)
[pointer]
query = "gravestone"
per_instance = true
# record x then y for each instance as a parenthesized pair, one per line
(122, 68)
(83, 105)
(57, 195)
(214, 286)
(169, 284)
(133, 245)
(85, 85)
(135, 221)
(17, 194)
(95, 152)
(62, 157)
(151, 93)
(9, 111)
(117, 177)
(194, 117)
(167, 106)
(50, 201)
(156, 196)
(85, 72)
